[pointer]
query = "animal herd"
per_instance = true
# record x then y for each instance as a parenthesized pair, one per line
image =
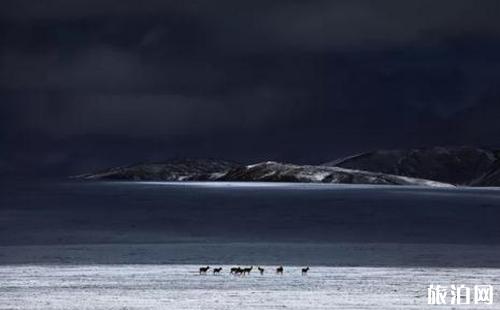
(246, 271)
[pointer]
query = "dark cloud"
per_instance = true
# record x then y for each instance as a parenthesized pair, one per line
(245, 80)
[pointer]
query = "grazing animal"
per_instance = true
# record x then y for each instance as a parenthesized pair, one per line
(279, 270)
(217, 270)
(247, 270)
(204, 269)
(305, 270)
(261, 270)
(234, 270)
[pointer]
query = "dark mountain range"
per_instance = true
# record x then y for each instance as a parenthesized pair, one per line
(279, 172)
(455, 165)
(174, 170)
(214, 170)
(436, 166)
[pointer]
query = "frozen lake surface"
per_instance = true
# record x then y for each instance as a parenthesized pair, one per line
(181, 287)
(104, 245)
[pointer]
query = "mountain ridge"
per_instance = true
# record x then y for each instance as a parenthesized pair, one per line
(433, 166)
(459, 165)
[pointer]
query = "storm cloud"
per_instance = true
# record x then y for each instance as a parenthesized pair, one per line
(301, 81)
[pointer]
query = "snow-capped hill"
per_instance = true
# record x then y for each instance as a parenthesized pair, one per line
(173, 170)
(279, 172)
(436, 166)
(456, 165)
(214, 170)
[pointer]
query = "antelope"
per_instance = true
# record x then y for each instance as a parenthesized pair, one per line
(279, 270)
(235, 270)
(247, 270)
(305, 270)
(261, 270)
(204, 269)
(217, 270)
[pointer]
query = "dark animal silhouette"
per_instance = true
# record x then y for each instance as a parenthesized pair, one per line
(247, 270)
(261, 270)
(234, 270)
(204, 269)
(305, 270)
(237, 270)
(279, 270)
(217, 270)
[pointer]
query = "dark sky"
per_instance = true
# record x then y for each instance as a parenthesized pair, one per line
(86, 84)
